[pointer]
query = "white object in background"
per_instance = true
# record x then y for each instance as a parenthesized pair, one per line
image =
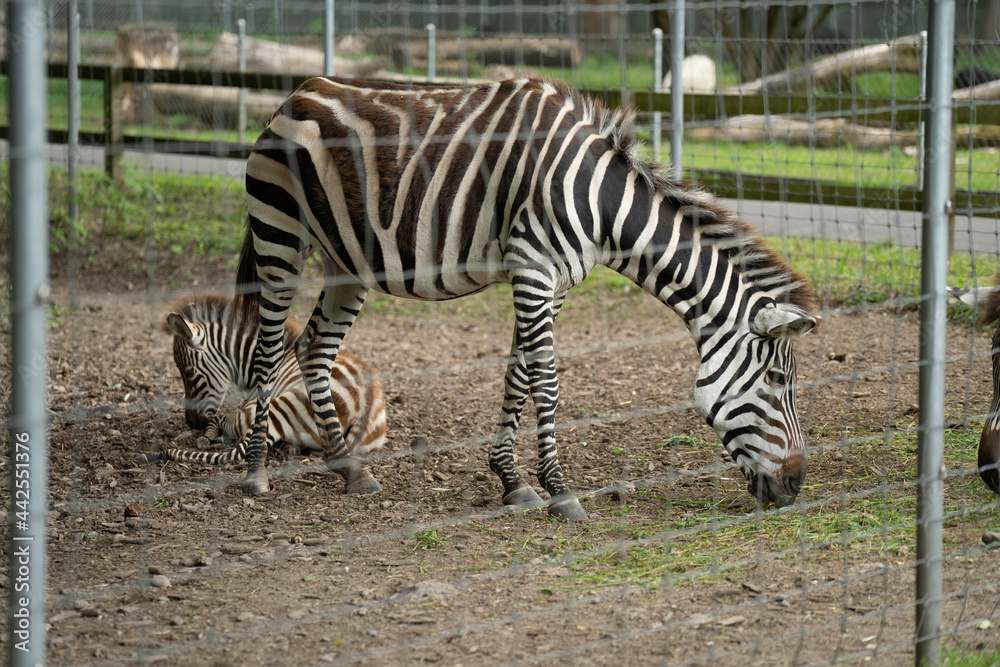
(697, 75)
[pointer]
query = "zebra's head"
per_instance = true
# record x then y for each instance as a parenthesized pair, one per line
(745, 390)
(206, 380)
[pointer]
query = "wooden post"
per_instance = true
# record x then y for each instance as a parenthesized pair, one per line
(113, 95)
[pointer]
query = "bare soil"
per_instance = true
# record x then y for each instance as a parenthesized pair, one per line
(433, 570)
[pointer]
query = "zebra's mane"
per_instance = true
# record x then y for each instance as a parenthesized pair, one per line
(218, 309)
(758, 264)
(991, 307)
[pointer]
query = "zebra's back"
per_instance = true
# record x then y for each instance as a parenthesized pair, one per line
(415, 190)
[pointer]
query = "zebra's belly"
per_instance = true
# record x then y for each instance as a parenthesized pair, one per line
(427, 279)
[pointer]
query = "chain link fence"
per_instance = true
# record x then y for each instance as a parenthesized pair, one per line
(805, 118)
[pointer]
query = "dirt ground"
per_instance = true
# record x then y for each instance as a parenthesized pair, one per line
(433, 570)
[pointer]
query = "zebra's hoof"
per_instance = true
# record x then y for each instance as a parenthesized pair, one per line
(147, 458)
(363, 483)
(523, 497)
(568, 510)
(255, 483)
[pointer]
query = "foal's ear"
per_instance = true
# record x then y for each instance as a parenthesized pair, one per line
(178, 326)
(784, 319)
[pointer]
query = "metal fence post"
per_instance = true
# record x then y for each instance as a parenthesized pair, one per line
(657, 88)
(921, 126)
(73, 150)
(241, 105)
(677, 88)
(29, 264)
(328, 66)
(934, 266)
(431, 52)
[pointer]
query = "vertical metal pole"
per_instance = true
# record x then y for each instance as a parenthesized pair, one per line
(51, 48)
(29, 252)
(328, 66)
(138, 11)
(73, 151)
(657, 88)
(431, 52)
(241, 122)
(921, 129)
(677, 88)
(934, 249)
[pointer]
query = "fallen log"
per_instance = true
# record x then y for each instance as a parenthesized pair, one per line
(215, 104)
(824, 133)
(510, 50)
(276, 58)
(900, 55)
(984, 91)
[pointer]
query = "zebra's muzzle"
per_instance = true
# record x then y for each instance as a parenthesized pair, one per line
(780, 489)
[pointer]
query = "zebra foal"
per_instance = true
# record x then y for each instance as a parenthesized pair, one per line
(213, 350)
(436, 192)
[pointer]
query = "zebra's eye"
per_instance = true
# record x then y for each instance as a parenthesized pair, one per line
(776, 378)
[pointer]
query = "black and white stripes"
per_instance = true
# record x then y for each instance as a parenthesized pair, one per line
(433, 193)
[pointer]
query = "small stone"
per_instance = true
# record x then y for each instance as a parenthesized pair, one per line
(81, 604)
(202, 560)
(501, 555)
(160, 581)
(176, 620)
(991, 538)
(89, 612)
(245, 616)
(154, 569)
(372, 633)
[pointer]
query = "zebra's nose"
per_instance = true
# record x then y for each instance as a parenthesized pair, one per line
(195, 420)
(794, 471)
(989, 458)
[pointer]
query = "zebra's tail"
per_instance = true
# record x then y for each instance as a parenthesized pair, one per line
(247, 282)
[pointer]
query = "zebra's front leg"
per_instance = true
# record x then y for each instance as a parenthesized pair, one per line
(517, 492)
(535, 315)
(317, 348)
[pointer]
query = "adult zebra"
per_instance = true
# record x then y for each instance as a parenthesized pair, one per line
(434, 193)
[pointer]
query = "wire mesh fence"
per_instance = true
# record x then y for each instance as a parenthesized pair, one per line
(805, 119)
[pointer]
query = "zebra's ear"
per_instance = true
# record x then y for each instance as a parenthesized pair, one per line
(180, 327)
(784, 319)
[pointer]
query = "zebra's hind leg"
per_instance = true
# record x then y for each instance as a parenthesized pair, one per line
(517, 492)
(337, 308)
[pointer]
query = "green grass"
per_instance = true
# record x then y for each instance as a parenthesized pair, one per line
(977, 170)
(962, 657)
(866, 512)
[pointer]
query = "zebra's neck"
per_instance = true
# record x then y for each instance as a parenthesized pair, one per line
(676, 248)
